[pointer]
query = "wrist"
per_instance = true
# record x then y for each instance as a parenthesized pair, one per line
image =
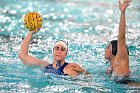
(30, 32)
(122, 12)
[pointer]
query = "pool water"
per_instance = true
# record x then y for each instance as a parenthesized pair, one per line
(87, 25)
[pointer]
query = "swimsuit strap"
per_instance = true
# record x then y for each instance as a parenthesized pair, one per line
(60, 70)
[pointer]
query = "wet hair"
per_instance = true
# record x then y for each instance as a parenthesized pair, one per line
(114, 47)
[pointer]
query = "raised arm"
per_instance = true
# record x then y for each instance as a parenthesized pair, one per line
(23, 53)
(122, 51)
(122, 55)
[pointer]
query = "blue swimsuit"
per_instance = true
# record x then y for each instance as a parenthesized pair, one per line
(59, 71)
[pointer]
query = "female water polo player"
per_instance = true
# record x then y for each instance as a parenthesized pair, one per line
(58, 66)
(117, 52)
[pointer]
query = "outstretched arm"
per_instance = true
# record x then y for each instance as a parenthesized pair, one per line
(122, 54)
(23, 53)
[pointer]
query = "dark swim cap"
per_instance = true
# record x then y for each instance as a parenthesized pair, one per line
(114, 47)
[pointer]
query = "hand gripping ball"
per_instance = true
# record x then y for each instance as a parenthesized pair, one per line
(33, 21)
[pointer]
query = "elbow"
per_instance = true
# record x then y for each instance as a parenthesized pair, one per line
(20, 55)
(22, 58)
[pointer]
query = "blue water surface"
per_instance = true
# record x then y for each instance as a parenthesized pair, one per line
(87, 25)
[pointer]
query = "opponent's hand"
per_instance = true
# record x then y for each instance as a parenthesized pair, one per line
(124, 5)
(76, 67)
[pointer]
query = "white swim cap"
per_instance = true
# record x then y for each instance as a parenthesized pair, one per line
(61, 42)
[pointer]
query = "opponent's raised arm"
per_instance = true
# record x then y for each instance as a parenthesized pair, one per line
(122, 50)
(122, 59)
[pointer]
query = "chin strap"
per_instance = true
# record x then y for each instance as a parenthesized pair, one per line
(109, 59)
(58, 64)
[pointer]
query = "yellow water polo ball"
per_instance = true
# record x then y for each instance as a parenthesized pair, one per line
(32, 21)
